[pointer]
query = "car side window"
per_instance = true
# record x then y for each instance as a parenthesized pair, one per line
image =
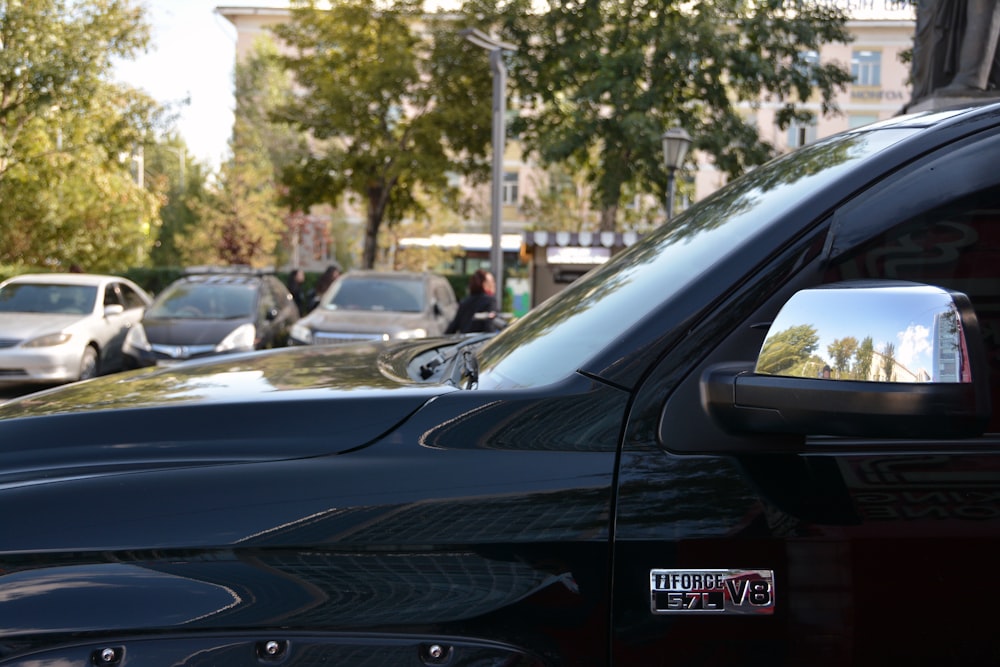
(956, 246)
(111, 296)
(130, 297)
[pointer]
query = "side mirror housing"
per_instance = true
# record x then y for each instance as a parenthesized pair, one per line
(866, 359)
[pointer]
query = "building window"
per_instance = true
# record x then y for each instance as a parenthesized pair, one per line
(509, 188)
(800, 134)
(807, 61)
(866, 68)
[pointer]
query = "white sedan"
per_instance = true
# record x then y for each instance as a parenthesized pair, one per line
(62, 327)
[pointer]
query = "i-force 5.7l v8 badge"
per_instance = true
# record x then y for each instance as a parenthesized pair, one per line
(711, 591)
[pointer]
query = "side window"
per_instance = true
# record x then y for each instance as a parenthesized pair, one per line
(111, 296)
(444, 298)
(956, 247)
(130, 297)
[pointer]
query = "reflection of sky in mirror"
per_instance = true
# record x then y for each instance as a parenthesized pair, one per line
(902, 316)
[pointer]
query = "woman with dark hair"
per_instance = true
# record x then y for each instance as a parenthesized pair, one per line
(478, 311)
(323, 283)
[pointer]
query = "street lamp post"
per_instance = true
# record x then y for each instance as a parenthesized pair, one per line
(676, 142)
(499, 70)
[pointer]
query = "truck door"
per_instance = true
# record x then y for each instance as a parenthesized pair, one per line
(836, 550)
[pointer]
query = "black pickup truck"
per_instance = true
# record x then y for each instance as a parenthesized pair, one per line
(763, 435)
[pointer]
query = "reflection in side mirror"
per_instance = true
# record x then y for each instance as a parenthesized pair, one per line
(898, 333)
(866, 359)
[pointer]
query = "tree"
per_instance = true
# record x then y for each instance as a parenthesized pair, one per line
(863, 359)
(393, 100)
(56, 54)
(841, 351)
(66, 136)
(788, 349)
(170, 169)
(614, 74)
(72, 196)
(888, 361)
(240, 222)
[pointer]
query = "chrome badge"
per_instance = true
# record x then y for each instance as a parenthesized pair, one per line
(712, 592)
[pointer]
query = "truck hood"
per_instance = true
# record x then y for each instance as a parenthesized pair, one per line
(282, 404)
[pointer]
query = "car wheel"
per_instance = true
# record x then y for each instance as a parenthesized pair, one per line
(88, 365)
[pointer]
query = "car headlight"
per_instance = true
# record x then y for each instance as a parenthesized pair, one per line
(302, 333)
(136, 339)
(407, 334)
(49, 340)
(242, 337)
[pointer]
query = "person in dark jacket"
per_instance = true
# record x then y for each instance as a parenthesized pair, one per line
(323, 283)
(478, 311)
(296, 278)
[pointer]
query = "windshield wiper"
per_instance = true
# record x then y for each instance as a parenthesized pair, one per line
(470, 368)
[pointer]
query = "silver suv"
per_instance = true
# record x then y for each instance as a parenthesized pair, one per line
(379, 306)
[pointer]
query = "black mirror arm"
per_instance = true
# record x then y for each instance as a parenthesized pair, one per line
(744, 402)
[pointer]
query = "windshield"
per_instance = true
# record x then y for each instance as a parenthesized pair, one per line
(562, 334)
(403, 296)
(205, 301)
(47, 298)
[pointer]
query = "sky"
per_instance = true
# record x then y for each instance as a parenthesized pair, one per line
(191, 57)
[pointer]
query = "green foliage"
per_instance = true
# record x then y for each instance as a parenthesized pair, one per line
(240, 222)
(169, 168)
(842, 351)
(614, 74)
(788, 349)
(66, 182)
(393, 101)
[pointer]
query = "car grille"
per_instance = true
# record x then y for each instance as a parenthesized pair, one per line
(332, 338)
(181, 351)
(9, 342)
(13, 372)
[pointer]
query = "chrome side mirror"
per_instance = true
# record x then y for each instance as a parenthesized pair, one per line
(898, 333)
(864, 358)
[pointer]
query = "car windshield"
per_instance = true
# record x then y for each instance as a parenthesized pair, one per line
(205, 301)
(378, 294)
(47, 298)
(558, 337)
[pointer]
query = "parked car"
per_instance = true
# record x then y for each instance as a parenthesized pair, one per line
(212, 311)
(62, 327)
(649, 468)
(379, 306)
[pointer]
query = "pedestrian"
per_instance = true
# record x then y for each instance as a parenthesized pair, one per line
(477, 312)
(323, 283)
(296, 278)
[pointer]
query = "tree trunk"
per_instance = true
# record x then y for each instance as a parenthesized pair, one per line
(608, 216)
(378, 200)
